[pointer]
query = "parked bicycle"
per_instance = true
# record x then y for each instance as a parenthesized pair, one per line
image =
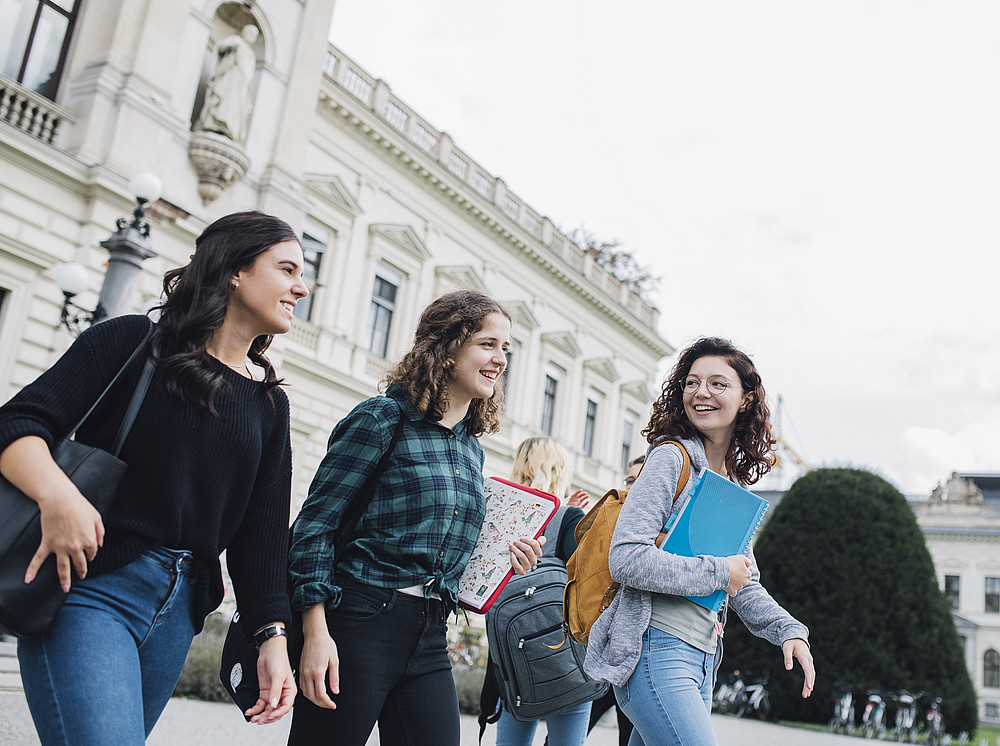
(934, 721)
(905, 727)
(843, 710)
(873, 720)
(742, 698)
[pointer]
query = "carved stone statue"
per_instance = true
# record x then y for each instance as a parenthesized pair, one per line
(227, 106)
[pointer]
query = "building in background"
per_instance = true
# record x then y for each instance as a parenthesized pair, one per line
(238, 105)
(961, 523)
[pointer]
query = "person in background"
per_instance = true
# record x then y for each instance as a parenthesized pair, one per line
(373, 617)
(656, 647)
(543, 464)
(608, 701)
(209, 468)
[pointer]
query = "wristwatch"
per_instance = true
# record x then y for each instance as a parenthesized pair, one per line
(271, 630)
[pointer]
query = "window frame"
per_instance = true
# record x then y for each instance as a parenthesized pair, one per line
(381, 307)
(991, 595)
(71, 16)
(550, 395)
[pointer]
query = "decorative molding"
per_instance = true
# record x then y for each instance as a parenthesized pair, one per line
(522, 314)
(333, 189)
(219, 162)
(458, 278)
(563, 341)
(402, 236)
(602, 366)
(639, 390)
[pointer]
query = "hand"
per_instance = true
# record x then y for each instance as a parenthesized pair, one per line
(72, 530)
(320, 662)
(277, 684)
(799, 649)
(525, 553)
(739, 573)
(578, 499)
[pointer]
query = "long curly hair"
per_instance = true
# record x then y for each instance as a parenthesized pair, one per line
(196, 297)
(544, 464)
(426, 371)
(751, 453)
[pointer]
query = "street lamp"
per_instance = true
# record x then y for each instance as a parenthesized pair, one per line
(128, 246)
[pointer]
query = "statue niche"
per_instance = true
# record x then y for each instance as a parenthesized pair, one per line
(220, 132)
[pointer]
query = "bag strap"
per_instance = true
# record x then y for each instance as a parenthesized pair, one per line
(137, 396)
(140, 390)
(682, 480)
(359, 505)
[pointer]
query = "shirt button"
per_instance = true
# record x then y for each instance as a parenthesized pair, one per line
(456, 512)
(457, 472)
(440, 554)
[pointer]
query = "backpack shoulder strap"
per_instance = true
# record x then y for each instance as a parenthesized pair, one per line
(682, 480)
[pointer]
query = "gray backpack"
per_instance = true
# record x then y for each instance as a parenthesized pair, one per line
(537, 668)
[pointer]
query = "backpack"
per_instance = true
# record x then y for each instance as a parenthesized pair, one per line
(538, 671)
(589, 586)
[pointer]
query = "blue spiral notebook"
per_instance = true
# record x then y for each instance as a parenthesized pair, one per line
(719, 519)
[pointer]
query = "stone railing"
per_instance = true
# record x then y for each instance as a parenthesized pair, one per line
(30, 112)
(376, 96)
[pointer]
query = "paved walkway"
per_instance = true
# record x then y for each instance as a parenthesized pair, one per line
(192, 723)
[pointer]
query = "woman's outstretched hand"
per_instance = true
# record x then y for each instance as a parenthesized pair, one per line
(799, 649)
(525, 553)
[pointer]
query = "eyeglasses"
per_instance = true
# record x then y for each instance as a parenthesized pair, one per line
(716, 385)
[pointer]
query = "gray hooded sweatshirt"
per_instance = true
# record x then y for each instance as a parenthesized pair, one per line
(643, 569)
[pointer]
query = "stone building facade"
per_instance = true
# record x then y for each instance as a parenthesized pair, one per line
(391, 211)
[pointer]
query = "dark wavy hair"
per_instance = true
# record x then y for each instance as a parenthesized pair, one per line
(427, 369)
(196, 297)
(751, 454)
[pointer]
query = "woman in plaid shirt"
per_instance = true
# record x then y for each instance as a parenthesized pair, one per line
(374, 616)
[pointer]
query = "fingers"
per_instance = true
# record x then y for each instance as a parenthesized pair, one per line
(524, 554)
(578, 499)
(799, 649)
(739, 573)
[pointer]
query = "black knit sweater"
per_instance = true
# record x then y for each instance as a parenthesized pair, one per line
(193, 481)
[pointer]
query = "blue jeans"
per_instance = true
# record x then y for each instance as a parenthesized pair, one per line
(394, 668)
(668, 698)
(107, 666)
(568, 728)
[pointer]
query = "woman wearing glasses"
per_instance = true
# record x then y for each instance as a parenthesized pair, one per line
(659, 650)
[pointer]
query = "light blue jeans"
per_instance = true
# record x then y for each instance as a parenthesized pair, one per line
(669, 695)
(107, 666)
(568, 728)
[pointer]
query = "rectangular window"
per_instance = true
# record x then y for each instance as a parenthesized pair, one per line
(992, 595)
(589, 427)
(34, 36)
(992, 711)
(549, 404)
(951, 587)
(505, 378)
(383, 305)
(315, 239)
(628, 428)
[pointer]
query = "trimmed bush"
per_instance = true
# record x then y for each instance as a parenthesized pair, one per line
(843, 553)
(200, 677)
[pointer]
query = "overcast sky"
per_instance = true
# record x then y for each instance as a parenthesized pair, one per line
(818, 182)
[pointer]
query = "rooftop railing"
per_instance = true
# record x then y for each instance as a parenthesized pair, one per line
(376, 96)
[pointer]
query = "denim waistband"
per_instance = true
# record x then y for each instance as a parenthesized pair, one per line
(386, 594)
(180, 560)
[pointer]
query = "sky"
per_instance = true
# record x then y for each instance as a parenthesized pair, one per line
(817, 182)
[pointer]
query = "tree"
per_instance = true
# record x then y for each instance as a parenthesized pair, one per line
(843, 553)
(620, 263)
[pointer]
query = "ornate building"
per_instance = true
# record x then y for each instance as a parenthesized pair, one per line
(961, 523)
(240, 105)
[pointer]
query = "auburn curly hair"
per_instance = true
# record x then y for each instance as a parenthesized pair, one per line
(426, 371)
(751, 453)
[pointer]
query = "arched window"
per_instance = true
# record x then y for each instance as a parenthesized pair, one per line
(34, 36)
(991, 669)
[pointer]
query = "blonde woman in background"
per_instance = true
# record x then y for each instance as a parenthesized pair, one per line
(542, 463)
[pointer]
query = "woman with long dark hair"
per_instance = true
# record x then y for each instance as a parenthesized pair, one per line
(373, 610)
(658, 649)
(209, 469)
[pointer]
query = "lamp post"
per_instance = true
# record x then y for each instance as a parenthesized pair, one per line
(128, 246)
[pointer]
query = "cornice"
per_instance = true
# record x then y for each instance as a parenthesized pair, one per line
(341, 108)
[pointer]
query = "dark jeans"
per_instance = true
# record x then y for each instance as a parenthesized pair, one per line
(394, 669)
